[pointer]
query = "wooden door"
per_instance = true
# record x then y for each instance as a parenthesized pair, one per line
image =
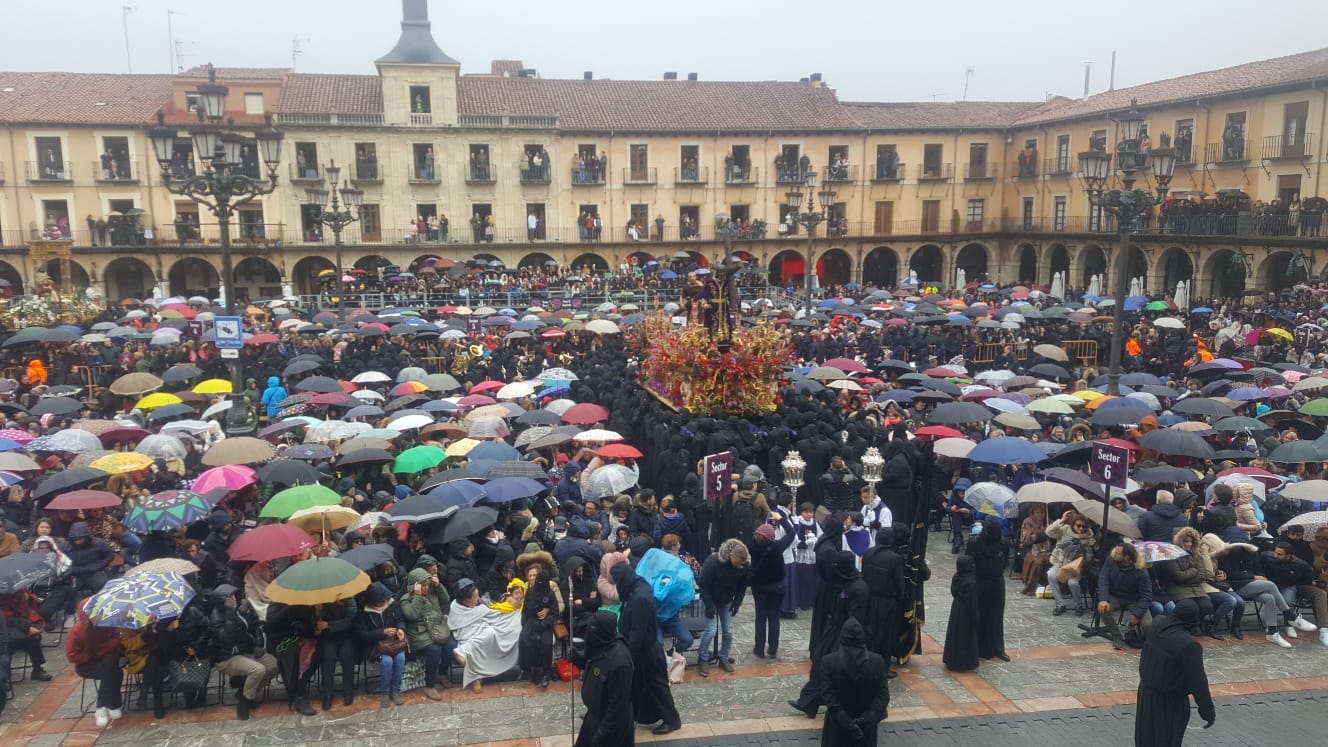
(931, 216)
(885, 218)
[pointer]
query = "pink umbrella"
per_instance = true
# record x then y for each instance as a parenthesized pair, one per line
(13, 434)
(231, 477)
(476, 400)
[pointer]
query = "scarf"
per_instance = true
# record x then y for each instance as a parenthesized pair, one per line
(859, 540)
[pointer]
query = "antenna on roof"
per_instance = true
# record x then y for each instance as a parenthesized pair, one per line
(180, 55)
(297, 48)
(968, 76)
(125, 10)
(1088, 71)
(175, 65)
(1111, 86)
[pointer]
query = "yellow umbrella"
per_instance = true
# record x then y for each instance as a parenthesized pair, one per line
(461, 448)
(1087, 395)
(157, 399)
(122, 462)
(324, 518)
(213, 386)
(1279, 332)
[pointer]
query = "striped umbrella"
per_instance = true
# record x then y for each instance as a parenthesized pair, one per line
(317, 581)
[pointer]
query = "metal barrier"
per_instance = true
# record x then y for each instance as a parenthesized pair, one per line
(1085, 351)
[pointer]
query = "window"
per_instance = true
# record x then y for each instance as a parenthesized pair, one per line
(306, 161)
(887, 162)
(1294, 117)
(588, 224)
(50, 163)
(975, 210)
(310, 226)
(536, 168)
(426, 167)
(1094, 217)
(252, 227)
(253, 103)
(113, 164)
(931, 216)
(182, 159)
(1027, 214)
(193, 103)
(689, 222)
(479, 169)
(738, 165)
(1288, 186)
(366, 163)
(1028, 160)
(419, 100)
(482, 224)
(121, 229)
(434, 230)
(1233, 137)
(371, 223)
(788, 226)
(977, 161)
(1062, 161)
(56, 213)
(931, 160)
(790, 164)
(885, 218)
(186, 221)
(689, 164)
(740, 213)
(638, 163)
(1058, 214)
(1184, 142)
(639, 220)
(535, 229)
(837, 164)
(589, 167)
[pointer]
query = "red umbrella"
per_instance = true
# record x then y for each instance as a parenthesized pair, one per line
(229, 477)
(619, 451)
(1121, 443)
(939, 373)
(332, 398)
(78, 500)
(123, 435)
(585, 414)
(486, 386)
(937, 431)
(847, 365)
(269, 542)
(262, 338)
(1268, 479)
(553, 333)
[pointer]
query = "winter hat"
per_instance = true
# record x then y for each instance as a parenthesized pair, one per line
(765, 532)
(562, 459)
(80, 529)
(426, 561)
(402, 491)
(963, 483)
(377, 593)
(220, 520)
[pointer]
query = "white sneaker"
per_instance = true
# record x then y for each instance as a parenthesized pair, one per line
(115, 714)
(1277, 639)
(1323, 636)
(1289, 632)
(1304, 625)
(103, 717)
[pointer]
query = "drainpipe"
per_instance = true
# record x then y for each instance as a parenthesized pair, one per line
(1323, 120)
(28, 279)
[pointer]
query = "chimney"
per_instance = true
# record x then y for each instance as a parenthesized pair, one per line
(416, 45)
(815, 77)
(670, 76)
(691, 76)
(527, 72)
(588, 75)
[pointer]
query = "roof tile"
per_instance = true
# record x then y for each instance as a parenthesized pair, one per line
(73, 98)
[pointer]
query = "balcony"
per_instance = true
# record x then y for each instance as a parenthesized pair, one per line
(1281, 147)
(740, 175)
(421, 120)
(980, 172)
(1185, 154)
(421, 173)
(889, 173)
(368, 172)
(307, 175)
(330, 120)
(1063, 166)
(587, 177)
(535, 175)
(120, 172)
(478, 173)
(640, 175)
(792, 175)
(508, 121)
(1025, 169)
(59, 171)
(841, 174)
(1236, 152)
(935, 172)
(691, 175)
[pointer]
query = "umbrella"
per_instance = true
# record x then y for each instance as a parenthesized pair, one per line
(13, 461)
(1022, 422)
(288, 472)
(1050, 371)
(515, 390)
(585, 414)
(957, 448)
(410, 422)
(368, 557)
(122, 462)
(515, 469)
(167, 510)
(74, 441)
(1155, 552)
(494, 450)
(611, 480)
(619, 451)
(309, 452)
(1006, 450)
(323, 518)
(161, 446)
(1176, 443)
(79, 500)
(1165, 473)
(164, 565)
(56, 406)
(290, 500)
(68, 480)
(418, 459)
(135, 384)
(465, 523)
(1202, 406)
(1052, 352)
(157, 399)
(959, 412)
(1311, 521)
(213, 386)
(508, 489)
(24, 569)
(228, 478)
(364, 456)
(238, 450)
(439, 503)
(1118, 522)
(990, 498)
(134, 602)
(539, 417)
(269, 542)
(489, 427)
(1046, 492)
(1131, 412)
(1296, 452)
(317, 581)
(180, 374)
(1261, 476)
(1312, 491)
(450, 475)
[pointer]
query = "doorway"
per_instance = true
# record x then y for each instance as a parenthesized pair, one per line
(884, 223)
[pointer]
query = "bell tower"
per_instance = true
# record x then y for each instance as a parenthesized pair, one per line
(419, 79)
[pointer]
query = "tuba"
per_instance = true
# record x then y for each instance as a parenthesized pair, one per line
(460, 362)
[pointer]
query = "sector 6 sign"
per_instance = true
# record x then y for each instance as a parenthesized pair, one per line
(1109, 464)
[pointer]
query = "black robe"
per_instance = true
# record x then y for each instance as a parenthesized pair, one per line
(607, 695)
(855, 690)
(826, 548)
(883, 570)
(989, 558)
(961, 634)
(1170, 670)
(652, 701)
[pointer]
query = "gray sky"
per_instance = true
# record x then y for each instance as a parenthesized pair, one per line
(868, 50)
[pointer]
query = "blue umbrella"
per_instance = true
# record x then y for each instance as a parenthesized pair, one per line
(668, 275)
(495, 451)
(1134, 303)
(525, 325)
(508, 489)
(462, 490)
(902, 396)
(9, 444)
(1006, 450)
(1201, 310)
(555, 391)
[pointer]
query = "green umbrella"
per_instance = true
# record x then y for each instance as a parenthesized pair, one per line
(1157, 306)
(1235, 424)
(317, 581)
(418, 458)
(290, 500)
(1315, 407)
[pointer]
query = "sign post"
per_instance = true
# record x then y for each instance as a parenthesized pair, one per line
(229, 334)
(718, 475)
(1109, 466)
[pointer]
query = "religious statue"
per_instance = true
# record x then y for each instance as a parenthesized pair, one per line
(712, 299)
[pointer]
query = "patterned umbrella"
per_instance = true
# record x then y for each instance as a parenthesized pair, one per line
(23, 569)
(164, 565)
(14, 434)
(317, 581)
(991, 498)
(1154, 552)
(167, 510)
(134, 602)
(122, 462)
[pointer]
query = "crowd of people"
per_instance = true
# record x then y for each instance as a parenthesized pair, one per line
(886, 419)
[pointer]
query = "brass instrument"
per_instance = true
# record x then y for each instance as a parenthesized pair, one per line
(460, 361)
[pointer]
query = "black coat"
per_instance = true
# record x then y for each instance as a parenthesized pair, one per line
(607, 696)
(883, 570)
(990, 554)
(848, 599)
(826, 548)
(652, 700)
(1170, 671)
(855, 691)
(961, 633)
(897, 478)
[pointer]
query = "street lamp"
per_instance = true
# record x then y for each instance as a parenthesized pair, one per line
(221, 184)
(810, 219)
(336, 218)
(1127, 205)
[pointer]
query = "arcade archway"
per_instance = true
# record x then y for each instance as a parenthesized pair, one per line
(788, 268)
(77, 280)
(1093, 261)
(537, 261)
(1176, 266)
(308, 275)
(10, 274)
(129, 277)
(193, 276)
(972, 259)
(928, 263)
(1228, 272)
(1028, 265)
(589, 260)
(256, 277)
(881, 268)
(834, 267)
(1060, 262)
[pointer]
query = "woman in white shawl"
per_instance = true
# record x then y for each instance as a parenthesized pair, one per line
(486, 636)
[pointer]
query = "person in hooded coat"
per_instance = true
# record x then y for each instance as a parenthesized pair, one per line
(990, 555)
(883, 570)
(856, 691)
(826, 548)
(460, 564)
(961, 633)
(847, 600)
(1171, 669)
(652, 700)
(274, 394)
(606, 691)
(897, 476)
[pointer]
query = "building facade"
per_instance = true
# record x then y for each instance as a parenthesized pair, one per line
(516, 165)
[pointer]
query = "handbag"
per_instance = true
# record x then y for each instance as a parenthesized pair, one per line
(412, 677)
(566, 670)
(677, 668)
(189, 677)
(559, 630)
(1070, 570)
(439, 631)
(391, 646)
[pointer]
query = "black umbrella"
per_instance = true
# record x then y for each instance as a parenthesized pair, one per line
(1165, 473)
(951, 413)
(1202, 406)
(539, 417)
(464, 523)
(364, 456)
(428, 506)
(1076, 453)
(293, 400)
(401, 403)
(1074, 478)
(941, 385)
(930, 396)
(1050, 371)
(368, 557)
(56, 406)
(1176, 443)
(1235, 455)
(1297, 452)
(289, 472)
(1120, 415)
(449, 475)
(23, 569)
(181, 374)
(320, 384)
(70, 479)
(171, 411)
(309, 452)
(296, 368)
(896, 365)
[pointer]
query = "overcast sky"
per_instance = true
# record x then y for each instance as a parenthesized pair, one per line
(868, 50)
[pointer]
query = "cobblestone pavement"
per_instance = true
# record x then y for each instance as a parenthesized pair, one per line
(1053, 669)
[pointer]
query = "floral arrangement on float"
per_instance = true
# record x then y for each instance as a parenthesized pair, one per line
(688, 367)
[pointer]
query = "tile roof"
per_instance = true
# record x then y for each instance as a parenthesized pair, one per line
(72, 98)
(1280, 71)
(313, 93)
(659, 106)
(938, 115)
(508, 68)
(237, 73)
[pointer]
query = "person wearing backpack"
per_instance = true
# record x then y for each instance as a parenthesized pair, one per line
(749, 510)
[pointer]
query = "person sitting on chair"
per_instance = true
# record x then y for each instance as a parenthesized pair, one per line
(1124, 584)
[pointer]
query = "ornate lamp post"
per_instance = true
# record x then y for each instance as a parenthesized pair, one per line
(1128, 205)
(221, 184)
(794, 469)
(810, 220)
(872, 466)
(336, 218)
